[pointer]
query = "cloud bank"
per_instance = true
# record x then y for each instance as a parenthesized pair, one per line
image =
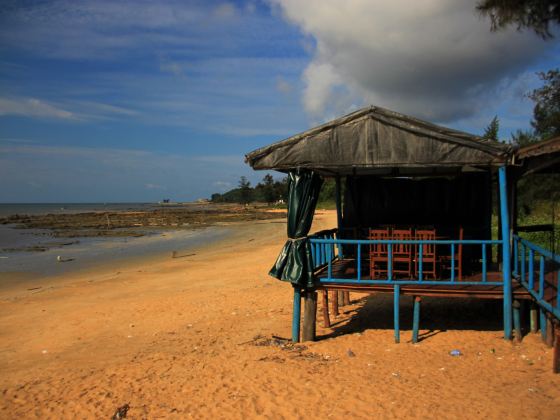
(435, 59)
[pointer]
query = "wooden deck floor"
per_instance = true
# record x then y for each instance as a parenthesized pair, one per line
(347, 269)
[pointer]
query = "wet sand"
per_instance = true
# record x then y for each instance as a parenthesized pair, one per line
(204, 336)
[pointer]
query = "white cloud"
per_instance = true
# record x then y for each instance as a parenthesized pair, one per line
(81, 110)
(435, 59)
(32, 107)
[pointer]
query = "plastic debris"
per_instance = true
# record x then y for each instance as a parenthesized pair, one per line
(121, 412)
(455, 353)
(350, 353)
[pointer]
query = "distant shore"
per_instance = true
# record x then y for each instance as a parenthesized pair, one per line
(134, 222)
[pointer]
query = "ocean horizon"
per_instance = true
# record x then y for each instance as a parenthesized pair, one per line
(8, 209)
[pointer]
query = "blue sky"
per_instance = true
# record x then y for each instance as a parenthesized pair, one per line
(136, 101)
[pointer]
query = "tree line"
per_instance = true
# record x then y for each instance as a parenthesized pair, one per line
(267, 191)
(270, 191)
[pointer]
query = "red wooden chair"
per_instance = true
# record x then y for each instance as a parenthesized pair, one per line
(429, 260)
(378, 255)
(402, 253)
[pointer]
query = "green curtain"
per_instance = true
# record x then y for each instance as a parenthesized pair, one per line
(294, 264)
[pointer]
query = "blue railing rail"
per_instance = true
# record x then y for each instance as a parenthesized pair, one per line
(323, 253)
(538, 270)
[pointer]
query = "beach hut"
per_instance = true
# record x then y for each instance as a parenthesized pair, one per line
(414, 213)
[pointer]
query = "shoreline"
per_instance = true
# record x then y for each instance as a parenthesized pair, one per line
(45, 246)
(27, 281)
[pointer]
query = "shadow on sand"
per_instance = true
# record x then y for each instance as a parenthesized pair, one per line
(436, 315)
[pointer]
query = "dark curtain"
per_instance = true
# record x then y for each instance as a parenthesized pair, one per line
(294, 264)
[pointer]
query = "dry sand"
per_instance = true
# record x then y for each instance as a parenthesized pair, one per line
(175, 338)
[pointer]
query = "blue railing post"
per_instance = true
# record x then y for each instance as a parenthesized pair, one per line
(389, 262)
(523, 262)
(396, 301)
(531, 268)
(484, 264)
(359, 262)
(452, 262)
(338, 193)
(506, 263)
(420, 255)
(515, 257)
(296, 314)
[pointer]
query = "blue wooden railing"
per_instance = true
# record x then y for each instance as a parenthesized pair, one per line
(324, 245)
(324, 253)
(531, 263)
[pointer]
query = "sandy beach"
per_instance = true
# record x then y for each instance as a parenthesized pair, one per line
(203, 337)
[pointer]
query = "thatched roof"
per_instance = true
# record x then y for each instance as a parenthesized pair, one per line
(376, 140)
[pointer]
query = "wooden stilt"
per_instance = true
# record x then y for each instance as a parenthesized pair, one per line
(542, 324)
(534, 318)
(340, 298)
(309, 316)
(549, 331)
(517, 319)
(334, 300)
(346, 298)
(556, 353)
(416, 319)
(326, 318)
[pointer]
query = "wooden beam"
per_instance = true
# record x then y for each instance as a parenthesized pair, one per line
(334, 299)
(309, 316)
(556, 353)
(517, 320)
(549, 331)
(326, 318)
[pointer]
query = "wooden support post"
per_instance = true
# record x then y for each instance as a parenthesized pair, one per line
(309, 316)
(340, 298)
(517, 319)
(534, 317)
(334, 299)
(346, 298)
(542, 324)
(396, 301)
(556, 353)
(296, 314)
(549, 331)
(326, 318)
(416, 319)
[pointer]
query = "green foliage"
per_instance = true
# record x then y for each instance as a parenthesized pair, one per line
(531, 14)
(491, 132)
(542, 212)
(268, 191)
(546, 114)
(523, 138)
(246, 193)
(328, 191)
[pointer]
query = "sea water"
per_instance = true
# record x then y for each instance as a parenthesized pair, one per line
(8, 209)
(16, 256)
